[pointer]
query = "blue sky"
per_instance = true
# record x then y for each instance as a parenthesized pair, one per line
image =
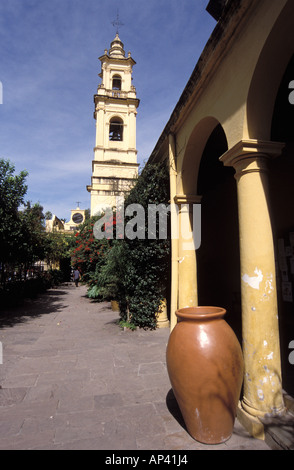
(49, 69)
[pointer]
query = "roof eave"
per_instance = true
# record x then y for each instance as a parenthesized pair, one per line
(221, 34)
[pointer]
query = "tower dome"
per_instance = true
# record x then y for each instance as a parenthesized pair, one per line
(117, 48)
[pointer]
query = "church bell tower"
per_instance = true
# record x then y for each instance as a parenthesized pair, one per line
(114, 168)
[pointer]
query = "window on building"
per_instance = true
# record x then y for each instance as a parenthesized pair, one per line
(116, 82)
(116, 129)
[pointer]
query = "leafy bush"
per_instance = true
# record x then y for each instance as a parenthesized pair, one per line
(146, 279)
(132, 271)
(93, 292)
(136, 270)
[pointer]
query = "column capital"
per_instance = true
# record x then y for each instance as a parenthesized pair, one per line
(251, 155)
(187, 199)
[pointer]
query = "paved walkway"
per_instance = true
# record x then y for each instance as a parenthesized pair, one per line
(72, 379)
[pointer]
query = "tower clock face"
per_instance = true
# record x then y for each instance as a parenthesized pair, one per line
(77, 218)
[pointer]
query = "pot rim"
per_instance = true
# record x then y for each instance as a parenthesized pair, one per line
(200, 313)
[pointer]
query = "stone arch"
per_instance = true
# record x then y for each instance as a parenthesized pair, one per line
(273, 61)
(218, 258)
(193, 153)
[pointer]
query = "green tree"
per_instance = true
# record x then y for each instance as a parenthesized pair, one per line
(109, 279)
(30, 247)
(147, 266)
(58, 246)
(12, 192)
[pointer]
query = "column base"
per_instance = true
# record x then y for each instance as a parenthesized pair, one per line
(164, 324)
(289, 403)
(162, 319)
(251, 423)
(259, 413)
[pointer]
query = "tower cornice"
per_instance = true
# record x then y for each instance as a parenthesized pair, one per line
(114, 98)
(116, 60)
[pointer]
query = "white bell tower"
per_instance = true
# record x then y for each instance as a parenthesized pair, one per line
(114, 168)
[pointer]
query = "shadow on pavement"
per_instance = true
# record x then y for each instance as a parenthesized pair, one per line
(46, 303)
(173, 408)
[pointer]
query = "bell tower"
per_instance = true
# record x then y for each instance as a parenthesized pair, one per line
(114, 168)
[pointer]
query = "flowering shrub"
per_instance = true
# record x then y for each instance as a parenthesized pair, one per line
(135, 272)
(89, 254)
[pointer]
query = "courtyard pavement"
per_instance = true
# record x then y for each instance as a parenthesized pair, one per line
(72, 379)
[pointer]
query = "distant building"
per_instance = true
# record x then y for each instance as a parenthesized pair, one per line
(56, 225)
(77, 218)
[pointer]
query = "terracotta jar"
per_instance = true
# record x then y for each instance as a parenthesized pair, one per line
(205, 367)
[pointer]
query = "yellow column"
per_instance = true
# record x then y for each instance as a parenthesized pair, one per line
(99, 126)
(187, 268)
(174, 241)
(260, 330)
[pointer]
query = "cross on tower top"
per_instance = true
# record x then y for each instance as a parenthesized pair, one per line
(116, 23)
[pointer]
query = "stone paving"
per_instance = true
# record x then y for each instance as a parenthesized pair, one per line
(71, 378)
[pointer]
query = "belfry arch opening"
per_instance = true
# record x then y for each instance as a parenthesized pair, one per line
(218, 258)
(116, 82)
(116, 129)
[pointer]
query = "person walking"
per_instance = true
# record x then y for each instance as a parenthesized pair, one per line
(76, 277)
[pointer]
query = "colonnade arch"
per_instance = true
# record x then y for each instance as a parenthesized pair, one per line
(193, 153)
(217, 259)
(269, 71)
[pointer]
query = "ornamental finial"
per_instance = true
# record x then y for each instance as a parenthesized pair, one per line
(116, 23)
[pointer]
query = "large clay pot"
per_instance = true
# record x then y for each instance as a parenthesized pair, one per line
(205, 367)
